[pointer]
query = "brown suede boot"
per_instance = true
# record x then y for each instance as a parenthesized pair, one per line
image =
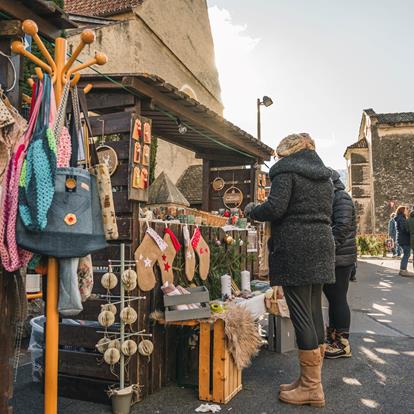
(293, 385)
(309, 390)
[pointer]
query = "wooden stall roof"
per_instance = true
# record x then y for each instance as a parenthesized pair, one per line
(50, 18)
(209, 135)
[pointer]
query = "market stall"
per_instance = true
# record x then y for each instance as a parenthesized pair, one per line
(136, 268)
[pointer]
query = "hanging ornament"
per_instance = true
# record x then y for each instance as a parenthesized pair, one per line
(228, 239)
(106, 318)
(218, 242)
(109, 279)
(109, 307)
(112, 356)
(107, 155)
(102, 345)
(146, 347)
(129, 348)
(241, 242)
(129, 279)
(233, 197)
(218, 184)
(115, 343)
(128, 315)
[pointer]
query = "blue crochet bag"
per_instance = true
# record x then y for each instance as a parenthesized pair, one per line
(37, 178)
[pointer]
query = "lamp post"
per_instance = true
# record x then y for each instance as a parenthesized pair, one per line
(266, 101)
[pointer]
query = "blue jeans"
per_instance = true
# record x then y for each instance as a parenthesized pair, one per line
(406, 255)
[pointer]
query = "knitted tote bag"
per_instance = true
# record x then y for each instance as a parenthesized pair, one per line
(12, 256)
(37, 179)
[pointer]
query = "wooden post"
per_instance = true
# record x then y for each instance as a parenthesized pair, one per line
(205, 203)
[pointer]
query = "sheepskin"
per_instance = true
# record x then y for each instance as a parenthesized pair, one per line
(242, 333)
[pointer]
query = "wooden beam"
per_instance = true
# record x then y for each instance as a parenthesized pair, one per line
(181, 111)
(205, 203)
(19, 11)
(11, 28)
(98, 100)
(114, 123)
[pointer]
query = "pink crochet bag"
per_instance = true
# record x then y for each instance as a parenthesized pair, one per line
(63, 139)
(12, 256)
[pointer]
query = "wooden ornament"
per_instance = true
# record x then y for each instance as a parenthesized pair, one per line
(129, 347)
(102, 345)
(115, 343)
(109, 280)
(112, 356)
(106, 318)
(107, 155)
(218, 184)
(129, 279)
(233, 197)
(109, 307)
(128, 315)
(146, 347)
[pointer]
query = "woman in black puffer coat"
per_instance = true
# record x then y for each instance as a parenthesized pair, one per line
(301, 253)
(344, 232)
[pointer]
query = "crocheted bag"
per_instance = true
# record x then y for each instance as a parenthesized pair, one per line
(37, 180)
(12, 256)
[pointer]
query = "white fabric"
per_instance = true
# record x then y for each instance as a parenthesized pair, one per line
(155, 236)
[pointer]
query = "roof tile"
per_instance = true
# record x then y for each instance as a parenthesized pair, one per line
(99, 8)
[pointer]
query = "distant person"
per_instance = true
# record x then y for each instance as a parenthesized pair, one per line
(410, 225)
(301, 254)
(344, 232)
(392, 234)
(403, 239)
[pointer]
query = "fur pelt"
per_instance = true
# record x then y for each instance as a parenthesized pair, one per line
(242, 333)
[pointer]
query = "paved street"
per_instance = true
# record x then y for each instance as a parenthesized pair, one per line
(378, 378)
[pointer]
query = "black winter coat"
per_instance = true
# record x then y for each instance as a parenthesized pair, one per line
(299, 207)
(343, 225)
(403, 235)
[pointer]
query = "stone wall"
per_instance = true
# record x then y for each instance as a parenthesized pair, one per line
(393, 171)
(165, 38)
(360, 188)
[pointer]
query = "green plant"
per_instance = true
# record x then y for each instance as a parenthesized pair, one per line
(371, 244)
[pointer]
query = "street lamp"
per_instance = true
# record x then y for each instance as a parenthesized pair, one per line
(266, 101)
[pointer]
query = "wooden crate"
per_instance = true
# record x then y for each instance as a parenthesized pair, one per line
(219, 378)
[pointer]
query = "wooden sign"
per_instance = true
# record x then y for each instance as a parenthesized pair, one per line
(139, 158)
(233, 197)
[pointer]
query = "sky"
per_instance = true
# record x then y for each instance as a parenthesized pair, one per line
(321, 61)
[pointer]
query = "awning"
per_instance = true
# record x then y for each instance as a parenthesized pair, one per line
(208, 134)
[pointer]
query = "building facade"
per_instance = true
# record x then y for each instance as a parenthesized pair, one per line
(167, 38)
(381, 168)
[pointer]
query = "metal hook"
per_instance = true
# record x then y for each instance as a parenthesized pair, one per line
(14, 71)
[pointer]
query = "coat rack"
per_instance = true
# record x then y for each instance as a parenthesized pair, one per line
(61, 71)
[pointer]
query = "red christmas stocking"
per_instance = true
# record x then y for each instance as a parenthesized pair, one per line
(165, 261)
(203, 252)
(146, 255)
(189, 257)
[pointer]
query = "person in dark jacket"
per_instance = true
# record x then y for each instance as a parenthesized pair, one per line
(403, 239)
(344, 232)
(301, 253)
(392, 234)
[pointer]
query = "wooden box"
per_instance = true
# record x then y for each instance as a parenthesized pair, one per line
(199, 295)
(219, 378)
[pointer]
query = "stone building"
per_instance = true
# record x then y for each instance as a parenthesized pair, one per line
(381, 168)
(167, 38)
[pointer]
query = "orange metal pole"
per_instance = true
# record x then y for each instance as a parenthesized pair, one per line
(52, 339)
(52, 315)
